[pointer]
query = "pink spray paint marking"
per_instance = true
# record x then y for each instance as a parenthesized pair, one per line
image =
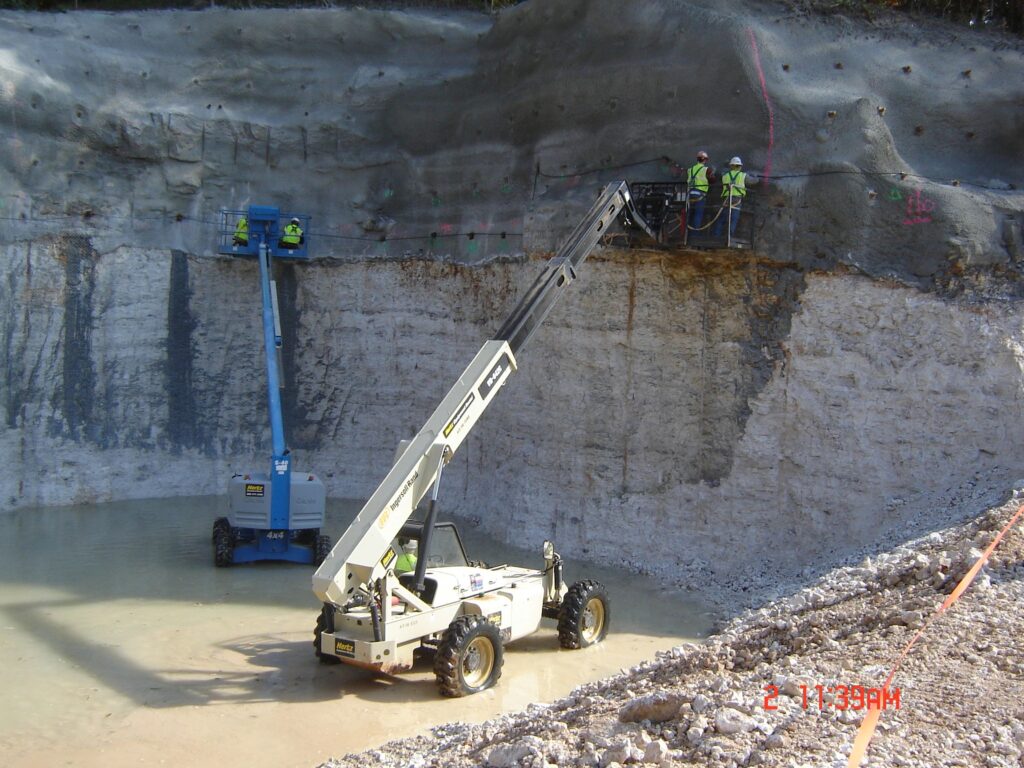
(918, 208)
(767, 103)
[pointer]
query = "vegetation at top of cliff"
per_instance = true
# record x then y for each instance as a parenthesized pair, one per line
(980, 14)
(983, 14)
(198, 5)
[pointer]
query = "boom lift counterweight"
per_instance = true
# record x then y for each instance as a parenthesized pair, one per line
(375, 617)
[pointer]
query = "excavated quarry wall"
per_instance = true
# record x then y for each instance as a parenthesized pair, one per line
(860, 370)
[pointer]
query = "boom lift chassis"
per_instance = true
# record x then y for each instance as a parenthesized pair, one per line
(376, 618)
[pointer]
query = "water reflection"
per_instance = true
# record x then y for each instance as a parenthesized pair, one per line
(112, 612)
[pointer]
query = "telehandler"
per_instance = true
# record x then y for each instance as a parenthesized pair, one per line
(376, 616)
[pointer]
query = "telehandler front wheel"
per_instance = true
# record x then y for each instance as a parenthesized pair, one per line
(583, 617)
(469, 658)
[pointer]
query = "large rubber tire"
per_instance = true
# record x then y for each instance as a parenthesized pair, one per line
(321, 624)
(221, 523)
(223, 547)
(307, 536)
(323, 549)
(469, 658)
(584, 615)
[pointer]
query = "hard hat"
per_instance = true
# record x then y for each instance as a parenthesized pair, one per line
(411, 545)
(702, 155)
(735, 161)
(295, 219)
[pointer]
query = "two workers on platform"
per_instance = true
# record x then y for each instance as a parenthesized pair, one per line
(699, 178)
(292, 237)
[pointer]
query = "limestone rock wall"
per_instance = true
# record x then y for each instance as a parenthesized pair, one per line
(671, 407)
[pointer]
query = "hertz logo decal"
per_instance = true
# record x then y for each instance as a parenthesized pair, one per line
(344, 648)
(388, 557)
(254, 489)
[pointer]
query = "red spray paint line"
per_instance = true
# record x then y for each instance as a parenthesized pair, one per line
(767, 103)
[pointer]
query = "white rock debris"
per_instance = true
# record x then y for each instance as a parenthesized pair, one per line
(786, 684)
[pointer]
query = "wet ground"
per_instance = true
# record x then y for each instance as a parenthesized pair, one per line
(123, 645)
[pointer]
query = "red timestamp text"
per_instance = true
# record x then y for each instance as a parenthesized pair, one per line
(840, 697)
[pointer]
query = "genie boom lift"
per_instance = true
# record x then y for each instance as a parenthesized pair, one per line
(375, 615)
(275, 515)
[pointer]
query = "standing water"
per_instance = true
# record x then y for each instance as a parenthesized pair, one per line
(122, 644)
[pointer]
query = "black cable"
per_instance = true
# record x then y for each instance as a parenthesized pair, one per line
(598, 169)
(801, 175)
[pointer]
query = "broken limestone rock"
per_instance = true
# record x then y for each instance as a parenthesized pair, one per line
(656, 707)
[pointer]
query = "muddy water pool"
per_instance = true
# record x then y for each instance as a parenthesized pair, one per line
(122, 644)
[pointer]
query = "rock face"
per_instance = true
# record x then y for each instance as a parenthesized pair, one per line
(681, 412)
(653, 400)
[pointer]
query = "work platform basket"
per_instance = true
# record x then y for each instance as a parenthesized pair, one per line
(264, 223)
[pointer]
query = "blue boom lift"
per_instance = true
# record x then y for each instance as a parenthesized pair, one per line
(275, 515)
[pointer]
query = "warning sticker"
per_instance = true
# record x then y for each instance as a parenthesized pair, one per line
(254, 489)
(459, 414)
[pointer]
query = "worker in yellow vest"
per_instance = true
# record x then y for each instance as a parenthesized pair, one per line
(241, 236)
(734, 190)
(292, 236)
(406, 562)
(699, 177)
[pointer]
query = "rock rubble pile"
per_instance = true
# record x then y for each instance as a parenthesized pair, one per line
(786, 684)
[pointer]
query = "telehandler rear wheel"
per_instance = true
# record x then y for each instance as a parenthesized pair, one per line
(583, 618)
(469, 658)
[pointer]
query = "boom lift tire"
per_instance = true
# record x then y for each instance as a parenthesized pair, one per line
(308, 536)
(583, 617)
(223, 547)
(323, 549)
(469, 658)
(221, 523)
(321, 625)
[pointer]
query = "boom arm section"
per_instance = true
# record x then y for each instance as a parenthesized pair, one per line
(364, 554)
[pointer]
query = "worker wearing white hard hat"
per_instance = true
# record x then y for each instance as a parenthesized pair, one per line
(291, 237)
(734, 190)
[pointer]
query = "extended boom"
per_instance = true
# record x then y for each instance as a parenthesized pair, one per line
(358, 577)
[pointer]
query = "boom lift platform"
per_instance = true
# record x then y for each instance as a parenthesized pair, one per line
(376, 617)
(275, 515)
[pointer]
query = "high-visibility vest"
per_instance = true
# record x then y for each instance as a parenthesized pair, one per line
(406, 563)
(698, 178)
(292, 235)
(734, 183)
(242, 229)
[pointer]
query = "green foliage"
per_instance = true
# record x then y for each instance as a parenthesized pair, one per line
(980, 14)
(1008, 14)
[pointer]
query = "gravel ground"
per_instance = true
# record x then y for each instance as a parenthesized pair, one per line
(960, 690)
